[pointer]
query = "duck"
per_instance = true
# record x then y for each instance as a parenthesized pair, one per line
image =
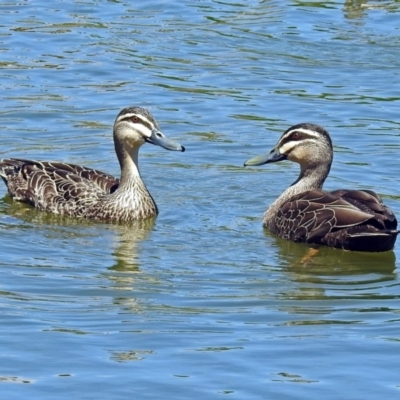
(81, 192)
(348, 219)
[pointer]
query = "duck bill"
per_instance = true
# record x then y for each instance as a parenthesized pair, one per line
(273, 156)
(159, 139)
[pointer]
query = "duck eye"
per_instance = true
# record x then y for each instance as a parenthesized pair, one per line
(135, 119)
(296, 135)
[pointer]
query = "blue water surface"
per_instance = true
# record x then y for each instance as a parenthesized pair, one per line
(200, 303)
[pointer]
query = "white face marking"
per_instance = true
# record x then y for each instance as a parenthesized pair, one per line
(287, 147)
(144, 126)
(307, 132)
(290, 146)
(305, 146)
(299, 149)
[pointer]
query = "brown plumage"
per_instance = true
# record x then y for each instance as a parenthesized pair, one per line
(77, 191)
(348, 219)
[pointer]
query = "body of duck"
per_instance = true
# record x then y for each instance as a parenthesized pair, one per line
(348, 219)
(76, 191)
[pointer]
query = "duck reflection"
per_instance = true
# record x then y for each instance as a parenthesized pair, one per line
(326, 265)
(354, 9)
(94, 243)
(125, 238)
(330, 274)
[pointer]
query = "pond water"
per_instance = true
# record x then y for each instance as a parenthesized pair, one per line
(199, 302)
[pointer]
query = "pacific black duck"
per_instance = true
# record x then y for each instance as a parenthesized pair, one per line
(77, 191)
(347, 219)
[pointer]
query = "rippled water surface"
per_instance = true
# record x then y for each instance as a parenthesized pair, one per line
(200, 303)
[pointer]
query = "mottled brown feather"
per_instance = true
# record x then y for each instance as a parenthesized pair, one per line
(310, 216)
(53, 186)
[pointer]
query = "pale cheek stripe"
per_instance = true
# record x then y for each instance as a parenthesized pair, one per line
(144, 130)
(287, 147)
(307, 132)
(144, 121)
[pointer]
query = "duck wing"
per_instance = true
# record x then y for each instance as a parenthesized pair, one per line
(339, 219)
(371, 203)
(55, 186)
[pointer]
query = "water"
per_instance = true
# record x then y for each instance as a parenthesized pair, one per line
(200, 302)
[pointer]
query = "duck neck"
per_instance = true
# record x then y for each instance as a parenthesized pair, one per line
(311, 177)
(132, 191)
(129, 163)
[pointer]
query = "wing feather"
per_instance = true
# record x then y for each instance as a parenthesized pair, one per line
(55, 186)
(314, 215)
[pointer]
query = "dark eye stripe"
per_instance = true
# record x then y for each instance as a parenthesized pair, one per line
(145, 123)
(300, 137)
(290, 138)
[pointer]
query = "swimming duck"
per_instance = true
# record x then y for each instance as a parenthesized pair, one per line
(347, 219)
(76, 191)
